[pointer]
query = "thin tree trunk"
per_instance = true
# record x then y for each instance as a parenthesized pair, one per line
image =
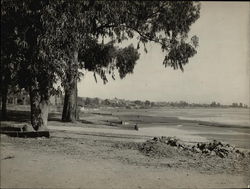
(70, 106)
(4, 102)
(5, 79)
(39, 111)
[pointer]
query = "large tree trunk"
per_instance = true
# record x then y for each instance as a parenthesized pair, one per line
(70, 106)
(39, 111)
(4, 102)
(70, 110)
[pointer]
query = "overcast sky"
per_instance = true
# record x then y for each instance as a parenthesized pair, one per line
(219, 71)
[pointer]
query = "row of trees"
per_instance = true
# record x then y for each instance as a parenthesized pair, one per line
(238, 105)
(211, 105)
(47, 45)
(97, 102)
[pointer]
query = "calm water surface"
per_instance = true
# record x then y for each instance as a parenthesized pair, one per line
(233, 116)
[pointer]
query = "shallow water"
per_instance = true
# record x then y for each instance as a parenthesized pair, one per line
(230, 116)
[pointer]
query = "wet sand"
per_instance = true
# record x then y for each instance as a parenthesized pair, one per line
(151, 132)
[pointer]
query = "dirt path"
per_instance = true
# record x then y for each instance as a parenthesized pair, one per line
(92, 162)
(29, 170)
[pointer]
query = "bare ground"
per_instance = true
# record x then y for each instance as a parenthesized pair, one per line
(73, 160)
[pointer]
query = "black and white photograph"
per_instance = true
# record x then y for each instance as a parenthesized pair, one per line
(127, 94)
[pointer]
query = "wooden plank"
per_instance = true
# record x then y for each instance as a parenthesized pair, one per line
(27, 134)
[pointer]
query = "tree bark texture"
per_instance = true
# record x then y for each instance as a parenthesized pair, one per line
(70, 110)
(70, 106)
(39, 110)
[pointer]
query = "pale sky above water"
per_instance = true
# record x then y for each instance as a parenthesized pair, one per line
(220, 71)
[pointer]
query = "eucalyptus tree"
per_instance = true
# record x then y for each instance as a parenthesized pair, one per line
(37, 69)
(100, 59)
(74, 41)
(166, 23)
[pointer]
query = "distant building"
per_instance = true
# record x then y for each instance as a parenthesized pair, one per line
(23, 98)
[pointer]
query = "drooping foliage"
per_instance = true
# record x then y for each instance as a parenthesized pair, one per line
(10, 56)
(56, 38)
(30, 41)
(80, 24)
(24, 30)
(105, 59)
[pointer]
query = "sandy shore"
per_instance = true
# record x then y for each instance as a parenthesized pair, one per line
(150, 132)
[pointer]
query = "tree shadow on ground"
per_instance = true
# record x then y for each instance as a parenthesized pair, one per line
(17, 116)
(24, 116)
(55, 117)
